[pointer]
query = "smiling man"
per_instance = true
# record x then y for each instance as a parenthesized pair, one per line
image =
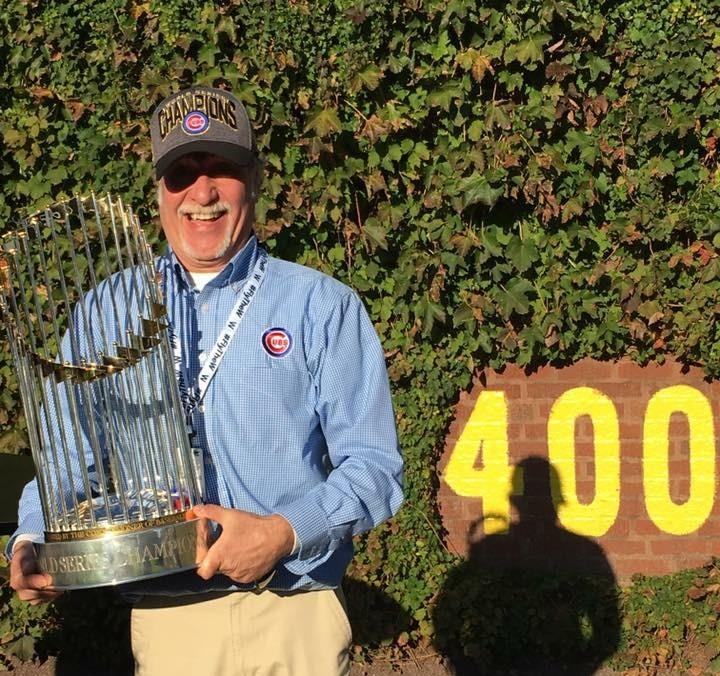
(284, 386)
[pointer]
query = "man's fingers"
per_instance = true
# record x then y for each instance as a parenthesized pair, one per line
(209, 565)
(32, 582)
(203, 539)
(31, 585)
(214, 512)
(34, 596)
(40, 581)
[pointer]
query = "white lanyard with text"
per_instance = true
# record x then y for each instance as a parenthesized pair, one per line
(191, 397)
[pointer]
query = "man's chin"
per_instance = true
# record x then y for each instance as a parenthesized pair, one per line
(204, 261)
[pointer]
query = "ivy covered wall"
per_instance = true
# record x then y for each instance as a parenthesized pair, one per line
(520, 182)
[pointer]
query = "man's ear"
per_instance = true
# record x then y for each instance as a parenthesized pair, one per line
(255, 178)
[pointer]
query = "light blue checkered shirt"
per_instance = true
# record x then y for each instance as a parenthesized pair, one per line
(310, 435)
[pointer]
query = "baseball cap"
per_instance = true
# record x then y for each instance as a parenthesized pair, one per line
(201, 120)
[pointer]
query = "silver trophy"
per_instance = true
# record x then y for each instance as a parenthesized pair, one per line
(82, 304)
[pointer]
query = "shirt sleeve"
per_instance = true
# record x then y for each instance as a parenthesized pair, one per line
(364, 486)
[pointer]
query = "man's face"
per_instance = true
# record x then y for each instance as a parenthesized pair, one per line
(205, 210)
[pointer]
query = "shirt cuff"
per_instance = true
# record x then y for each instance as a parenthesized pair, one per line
(311, 527)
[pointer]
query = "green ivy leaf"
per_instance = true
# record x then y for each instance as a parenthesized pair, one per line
(522, 253)
(433, 313)
(376, 233)
(445, 95)
(515, 297)
(529, 50)
(476, 189)
(23, 648)
(323, 121)
(369, 78)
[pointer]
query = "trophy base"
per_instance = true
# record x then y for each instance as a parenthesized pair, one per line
(116, 558)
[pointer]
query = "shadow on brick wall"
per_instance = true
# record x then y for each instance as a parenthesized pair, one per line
(535, 600)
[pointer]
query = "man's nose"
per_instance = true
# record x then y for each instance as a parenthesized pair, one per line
(203, 190)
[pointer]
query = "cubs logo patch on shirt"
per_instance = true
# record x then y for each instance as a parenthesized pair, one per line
(195, 122)
(277, 342)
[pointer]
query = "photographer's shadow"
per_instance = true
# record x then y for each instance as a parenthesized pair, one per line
(537, 599)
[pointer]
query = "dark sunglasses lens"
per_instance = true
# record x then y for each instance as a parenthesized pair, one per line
(179, 177)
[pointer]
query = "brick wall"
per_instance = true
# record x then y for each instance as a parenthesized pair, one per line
(634, 542)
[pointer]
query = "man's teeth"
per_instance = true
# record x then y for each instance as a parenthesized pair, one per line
(205, 217)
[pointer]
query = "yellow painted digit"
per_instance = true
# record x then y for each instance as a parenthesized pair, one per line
(673, 518)
(596, 517)
(486, 435)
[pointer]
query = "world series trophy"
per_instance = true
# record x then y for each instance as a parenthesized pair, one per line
(90, 342)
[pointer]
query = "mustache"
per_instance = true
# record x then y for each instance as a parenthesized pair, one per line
(212, 210)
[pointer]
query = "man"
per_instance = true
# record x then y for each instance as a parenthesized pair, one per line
(295, 424)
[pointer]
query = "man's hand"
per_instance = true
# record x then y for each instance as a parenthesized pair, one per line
(248, 547)
(30, 585)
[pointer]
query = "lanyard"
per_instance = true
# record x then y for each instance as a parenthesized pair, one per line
(192, 396)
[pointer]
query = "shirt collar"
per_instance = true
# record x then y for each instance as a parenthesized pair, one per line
(234, 273)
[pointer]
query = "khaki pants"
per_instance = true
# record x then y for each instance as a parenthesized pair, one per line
(242, 634)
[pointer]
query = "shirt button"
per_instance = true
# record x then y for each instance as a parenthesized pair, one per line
(201, 408)
(202, 357)
(205, 307)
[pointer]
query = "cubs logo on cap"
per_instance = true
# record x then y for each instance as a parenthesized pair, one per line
(277, 342)
(195, 122)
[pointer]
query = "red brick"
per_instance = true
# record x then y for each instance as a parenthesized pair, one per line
(584, 428)
(632, 506)
(631, 431)
(695, 561)
(515, 429)
(645, 527)
(711, 528)
(523, 412)
(635, 408)
(535, 431)
(585, 451)
(625, 547)
(620, 529)
(590, 371)
(513, 391)
(585, 491)
(547, 391)
(529, 448)
(467, 399)
(472, 509)
(620, 390)
(632, 478)
(679, 491)
(450, 510)
(671, 370)
(447, 493)
(679, 546)
(647, 566)
(543, 374)
(456, 543)
(543, 409)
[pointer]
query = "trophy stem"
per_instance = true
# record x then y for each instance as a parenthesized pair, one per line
(129, 430)
(24, 320)
(76, 357)
(185, 463)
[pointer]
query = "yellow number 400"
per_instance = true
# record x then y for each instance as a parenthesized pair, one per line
(485, 439)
